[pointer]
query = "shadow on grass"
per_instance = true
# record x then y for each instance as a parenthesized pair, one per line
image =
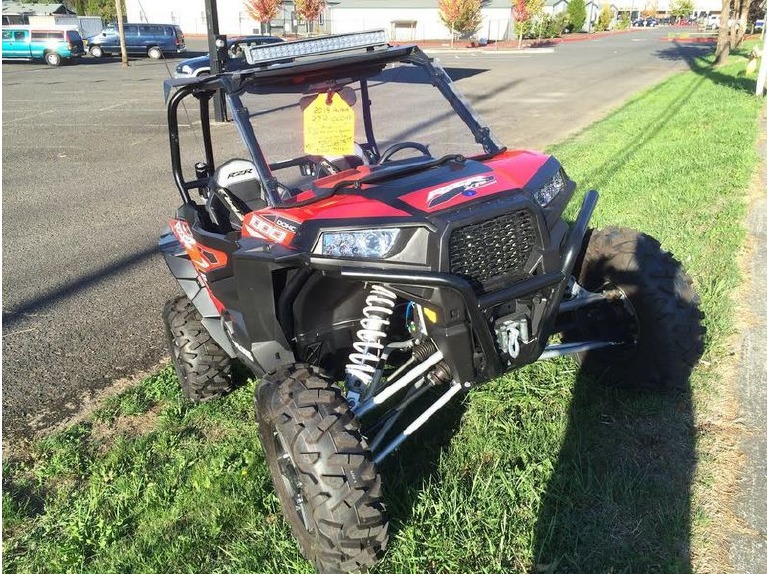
(601, 175)
(620, 496)
(700, 60)
(26, 499)
(619, 499)
(406, 473)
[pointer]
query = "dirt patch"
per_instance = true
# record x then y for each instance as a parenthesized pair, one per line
(104, 434)
(89, 402)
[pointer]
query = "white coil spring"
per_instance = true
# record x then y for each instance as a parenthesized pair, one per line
(379, 308)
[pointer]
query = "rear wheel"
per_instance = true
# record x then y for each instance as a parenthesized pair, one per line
(322, 469)
(52, 59)
(203, 368)
(96, 51)
(651, 306)
(155, 53)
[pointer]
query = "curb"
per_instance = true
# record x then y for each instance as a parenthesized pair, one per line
(748, 546)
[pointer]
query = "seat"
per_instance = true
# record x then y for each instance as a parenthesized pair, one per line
(235, 191)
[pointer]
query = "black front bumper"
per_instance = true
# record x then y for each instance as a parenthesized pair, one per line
(547, 288)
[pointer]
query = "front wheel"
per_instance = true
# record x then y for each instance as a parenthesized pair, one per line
(96, 51)
(650, 306)
(322, 470)
(52, 59)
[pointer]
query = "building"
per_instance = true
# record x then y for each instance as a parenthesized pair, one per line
(18, 12)
(409, 20)
(413, 19)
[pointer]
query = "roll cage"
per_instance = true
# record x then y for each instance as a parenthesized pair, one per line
(314, 66)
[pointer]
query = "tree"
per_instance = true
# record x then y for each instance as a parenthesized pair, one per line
(310, 10)
(738, 29)
(605, 18)
(103, 8)
(536, 17)
(520, 13)
(723, 39)
(262, 11)
(682, 8)
(460, 16)
(576, 10)
(650, 9)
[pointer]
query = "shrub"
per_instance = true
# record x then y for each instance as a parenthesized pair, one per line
(576, 12)
(605, 19)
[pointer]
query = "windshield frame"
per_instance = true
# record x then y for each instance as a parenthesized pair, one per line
(352, 68)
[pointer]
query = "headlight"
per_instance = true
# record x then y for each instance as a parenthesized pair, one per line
(554, 187)
(185, 69)
(363, 243)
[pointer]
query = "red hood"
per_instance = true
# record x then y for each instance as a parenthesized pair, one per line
(427, 192)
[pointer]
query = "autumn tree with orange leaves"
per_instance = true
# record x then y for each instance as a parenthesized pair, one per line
(310, 10)
(262, 11)
(520, 13)
(462, 17)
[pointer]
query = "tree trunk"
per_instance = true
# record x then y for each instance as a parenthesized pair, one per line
(743, 21)
(723, 40)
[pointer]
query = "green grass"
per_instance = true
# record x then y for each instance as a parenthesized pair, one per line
(539, 471)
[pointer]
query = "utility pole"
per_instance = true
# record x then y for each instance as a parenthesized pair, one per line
(763, 75)
(119, 13)
(212, 25)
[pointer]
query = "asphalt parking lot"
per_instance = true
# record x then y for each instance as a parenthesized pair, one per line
(87, 188)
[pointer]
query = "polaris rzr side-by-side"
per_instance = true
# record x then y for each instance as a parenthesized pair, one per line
(370, 251)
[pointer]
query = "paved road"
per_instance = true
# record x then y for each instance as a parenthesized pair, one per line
(87, 188)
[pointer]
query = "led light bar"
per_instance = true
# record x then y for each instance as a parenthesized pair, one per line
(265, 53)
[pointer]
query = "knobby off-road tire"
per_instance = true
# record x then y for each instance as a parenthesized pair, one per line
(322, 469)
(661, 308)
(203, 368)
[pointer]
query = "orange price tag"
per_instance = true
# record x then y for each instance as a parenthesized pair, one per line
(328, 127)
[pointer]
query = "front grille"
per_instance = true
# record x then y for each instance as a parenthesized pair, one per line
(492, 249)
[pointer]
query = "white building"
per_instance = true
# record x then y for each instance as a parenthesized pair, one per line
(403, 19)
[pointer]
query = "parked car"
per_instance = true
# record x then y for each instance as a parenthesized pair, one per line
(154, 40)
(712, 21)
(645, 22)
(53, 46)
(759, 25)
(201, 65)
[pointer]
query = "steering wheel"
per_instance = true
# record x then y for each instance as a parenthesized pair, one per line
(388, 153)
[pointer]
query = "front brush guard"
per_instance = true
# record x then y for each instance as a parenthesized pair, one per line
(476, 308)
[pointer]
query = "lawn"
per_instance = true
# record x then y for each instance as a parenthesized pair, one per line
(542, 470)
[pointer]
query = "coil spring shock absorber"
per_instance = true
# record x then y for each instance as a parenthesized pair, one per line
(363, 362)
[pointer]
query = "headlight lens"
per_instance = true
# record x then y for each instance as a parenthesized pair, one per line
(363, 243)
(186, 69)
(550, 190)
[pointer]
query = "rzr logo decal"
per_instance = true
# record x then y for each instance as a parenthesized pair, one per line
(241, 172)
(271, 227)
(465, 187)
